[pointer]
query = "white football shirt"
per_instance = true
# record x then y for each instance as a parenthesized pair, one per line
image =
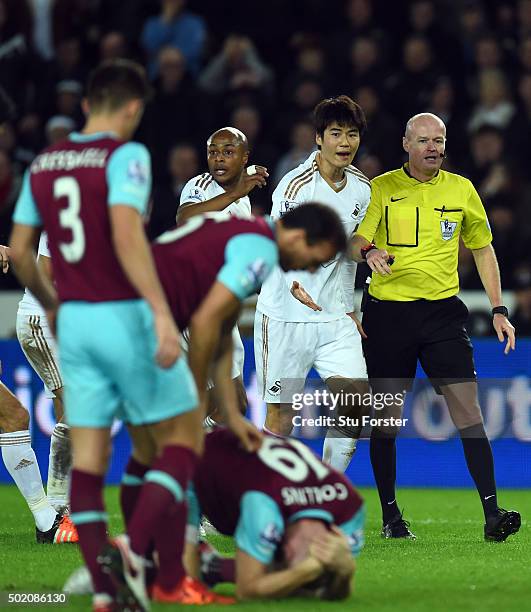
(332, 285)
(204, 187)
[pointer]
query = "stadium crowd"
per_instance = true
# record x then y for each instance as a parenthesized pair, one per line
(468, 61)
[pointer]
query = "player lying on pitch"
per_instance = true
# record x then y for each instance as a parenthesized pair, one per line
(207, 268)
(297, 522)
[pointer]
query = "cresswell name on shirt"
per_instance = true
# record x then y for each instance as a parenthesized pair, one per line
(305, 496)
(91, 157)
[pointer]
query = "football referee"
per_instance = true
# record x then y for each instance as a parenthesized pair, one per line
(414, 221)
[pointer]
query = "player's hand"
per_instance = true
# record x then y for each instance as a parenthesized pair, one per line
(353, 316)
(248, 182)
(503, 328)
(333, 551)
(378, 260)
(168, 340)
(4, 258)
(299, 293)
(248, 435)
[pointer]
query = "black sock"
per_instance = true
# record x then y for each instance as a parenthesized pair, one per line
(383, 461)
(478, 455)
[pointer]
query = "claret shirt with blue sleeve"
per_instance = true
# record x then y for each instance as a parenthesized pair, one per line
(68, 189)
(239, 253)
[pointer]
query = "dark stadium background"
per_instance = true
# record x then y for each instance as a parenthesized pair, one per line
(467, 61)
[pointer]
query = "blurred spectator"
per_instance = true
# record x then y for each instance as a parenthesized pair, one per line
(442, 103)
(494, 105)
(521, 315)
(10, 183)
(236, 68)
(68, 99)
(113, 45)
(488, 169)
(302, 144)
(310, 62)
(424, 21)
(58, 128)
(43, 27)
(174, 27)
(172, 115)
(304, 96)
(360, 21)
(410, 87)
(366, 66)
(382, 137)
(524, 54)
(78, 19)
(519, 131)
(16, 59)
(473, 24)
(524, 18)
(370, 165)
(183, 164)
(248, 120)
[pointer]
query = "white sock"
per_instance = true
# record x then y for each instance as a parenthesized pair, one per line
(338, 450)
(21, 463)
(59, 467)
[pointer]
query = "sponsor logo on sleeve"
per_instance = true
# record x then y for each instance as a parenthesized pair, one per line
(448, 229)
(270, 536)
(137, 172)
(196, 194)
(255, 274)
(286, 206)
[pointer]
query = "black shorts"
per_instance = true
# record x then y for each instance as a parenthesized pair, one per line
(400, 333)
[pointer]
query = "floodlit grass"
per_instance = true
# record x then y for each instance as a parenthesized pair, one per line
(449, 566)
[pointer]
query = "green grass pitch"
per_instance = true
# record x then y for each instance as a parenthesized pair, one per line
(449, 566)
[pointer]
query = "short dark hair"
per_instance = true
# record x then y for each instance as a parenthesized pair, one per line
(320, 222)
(341, 110)
(116, 82)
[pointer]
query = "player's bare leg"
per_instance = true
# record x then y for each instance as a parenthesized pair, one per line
(279, 419)
(463, 405)
(21, 463)
(341, 439)
(215, 409)
(60, 460)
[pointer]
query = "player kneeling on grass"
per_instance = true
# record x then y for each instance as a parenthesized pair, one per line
(297, 522)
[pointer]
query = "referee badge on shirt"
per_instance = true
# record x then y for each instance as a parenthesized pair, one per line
(448, 229)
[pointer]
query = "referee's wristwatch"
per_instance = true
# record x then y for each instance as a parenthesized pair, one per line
(501, 310)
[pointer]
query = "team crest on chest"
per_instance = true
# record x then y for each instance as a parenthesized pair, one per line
(448, 229)
(356, 211)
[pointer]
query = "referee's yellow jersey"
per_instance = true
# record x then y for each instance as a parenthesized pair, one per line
(420, 224)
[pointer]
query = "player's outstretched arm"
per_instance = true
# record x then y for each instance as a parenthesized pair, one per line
(22, 255)
(133, 252)
(254, 582)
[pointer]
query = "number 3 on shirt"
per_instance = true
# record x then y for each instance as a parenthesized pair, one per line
(68, 187)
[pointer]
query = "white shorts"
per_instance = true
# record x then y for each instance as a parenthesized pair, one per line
(40, 348)
(286, 352)
(238, 352)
